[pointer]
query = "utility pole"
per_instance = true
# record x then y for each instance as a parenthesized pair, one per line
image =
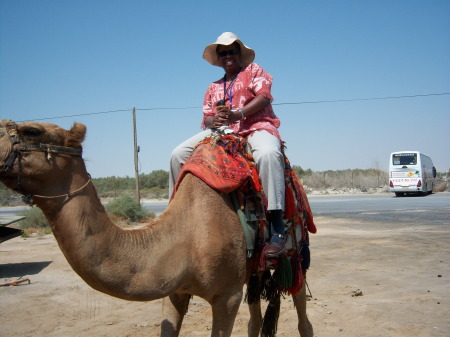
(136, 158)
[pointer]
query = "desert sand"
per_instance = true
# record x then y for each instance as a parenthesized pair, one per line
(366, 279)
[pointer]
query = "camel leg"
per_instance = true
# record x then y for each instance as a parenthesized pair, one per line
(224, 311)
(174, 309)
(304, 326)
(256, 319)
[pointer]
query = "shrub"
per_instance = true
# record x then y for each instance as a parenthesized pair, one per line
(158, 178)
(440, 186)
(155, 193)
(363, 180)
(34, 219)
(29, 231)
(126, 207)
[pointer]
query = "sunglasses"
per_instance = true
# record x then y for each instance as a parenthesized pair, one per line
(228, 52)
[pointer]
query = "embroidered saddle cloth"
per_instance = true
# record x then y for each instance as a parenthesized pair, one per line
(220, 162)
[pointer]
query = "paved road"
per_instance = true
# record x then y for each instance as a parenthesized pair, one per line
(373, 207)
(432, 209)
(12, 211)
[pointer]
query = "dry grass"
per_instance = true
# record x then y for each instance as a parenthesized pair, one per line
(362, 180)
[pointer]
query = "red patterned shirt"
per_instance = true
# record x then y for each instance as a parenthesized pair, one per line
(249, 83)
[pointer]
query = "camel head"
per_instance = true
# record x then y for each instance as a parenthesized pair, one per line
(38, 158)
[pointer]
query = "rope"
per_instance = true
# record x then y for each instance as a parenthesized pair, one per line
(28, 198)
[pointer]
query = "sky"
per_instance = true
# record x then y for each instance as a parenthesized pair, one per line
(353, 81)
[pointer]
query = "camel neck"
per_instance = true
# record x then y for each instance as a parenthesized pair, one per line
(104, 255)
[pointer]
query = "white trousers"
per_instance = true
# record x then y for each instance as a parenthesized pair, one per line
(266, 151)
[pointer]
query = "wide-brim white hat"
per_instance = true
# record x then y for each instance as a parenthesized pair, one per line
(227, 38)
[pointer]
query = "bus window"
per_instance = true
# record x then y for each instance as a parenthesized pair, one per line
(404, 159)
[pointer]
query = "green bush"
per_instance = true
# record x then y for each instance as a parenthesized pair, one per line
(127, 207)
(34, 218)
(158, 178)
(155, 193)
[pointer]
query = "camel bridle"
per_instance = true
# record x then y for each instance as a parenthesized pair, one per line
(19, 147)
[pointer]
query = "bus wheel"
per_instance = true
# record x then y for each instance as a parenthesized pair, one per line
(425, 190)
(399, 194)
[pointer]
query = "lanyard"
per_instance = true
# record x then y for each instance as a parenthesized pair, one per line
(229, 92)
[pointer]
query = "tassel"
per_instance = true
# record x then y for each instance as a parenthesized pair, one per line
(306, 255)
(267, 286)
(270, 322)
(255, 179)
(297, 275)
(262, 258)
(290, 207)
(309, 217)
(253, 292)
(310, 223)
(304, 204)
(283, 274)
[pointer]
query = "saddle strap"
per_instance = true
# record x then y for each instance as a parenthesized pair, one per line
(249, 237)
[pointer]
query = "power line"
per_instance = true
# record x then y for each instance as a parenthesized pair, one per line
(78, 115)
(363, 99)
(182, 108)
(286, 103)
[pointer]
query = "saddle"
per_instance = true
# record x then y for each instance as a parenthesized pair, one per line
(224, 162)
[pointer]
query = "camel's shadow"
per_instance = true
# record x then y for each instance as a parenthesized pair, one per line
(9, 270)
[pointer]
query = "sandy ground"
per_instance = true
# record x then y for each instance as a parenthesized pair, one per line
(400, 273)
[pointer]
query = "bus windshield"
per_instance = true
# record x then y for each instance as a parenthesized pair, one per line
(404, 159)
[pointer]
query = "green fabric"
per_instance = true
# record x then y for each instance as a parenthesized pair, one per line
(249, 238)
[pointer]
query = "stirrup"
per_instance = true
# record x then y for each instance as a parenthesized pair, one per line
(274, 249)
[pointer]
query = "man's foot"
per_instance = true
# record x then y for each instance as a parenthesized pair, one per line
(276, 245)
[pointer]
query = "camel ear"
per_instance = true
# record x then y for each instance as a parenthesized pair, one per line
(76, 135)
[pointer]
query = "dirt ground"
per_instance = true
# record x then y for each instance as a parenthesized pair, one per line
(366, 280)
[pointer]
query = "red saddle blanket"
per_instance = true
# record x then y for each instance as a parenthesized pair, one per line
(220, 162)
(223, 163)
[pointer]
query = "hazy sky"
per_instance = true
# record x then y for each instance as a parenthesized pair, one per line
(93, 61)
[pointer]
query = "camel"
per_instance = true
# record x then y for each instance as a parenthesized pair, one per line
(195, 247)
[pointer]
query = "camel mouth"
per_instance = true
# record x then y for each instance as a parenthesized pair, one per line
(8, 137)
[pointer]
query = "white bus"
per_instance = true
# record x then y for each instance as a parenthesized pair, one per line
(411, 172)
